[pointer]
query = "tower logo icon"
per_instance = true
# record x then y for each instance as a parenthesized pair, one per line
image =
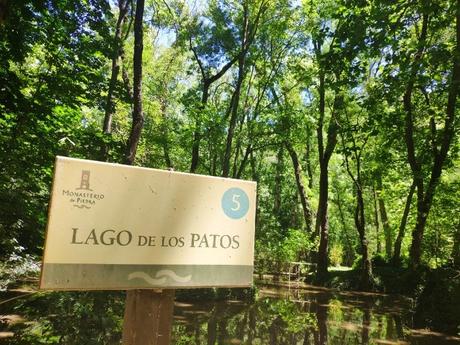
(84, 182)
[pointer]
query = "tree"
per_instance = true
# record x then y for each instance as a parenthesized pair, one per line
(440, 139)
(52, 71)
(138, 116)
(337, 39)
(355, 133)
(123, 9)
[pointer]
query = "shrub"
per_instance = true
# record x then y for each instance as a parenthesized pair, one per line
(336, 255)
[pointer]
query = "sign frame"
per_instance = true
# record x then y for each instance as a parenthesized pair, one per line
(56, 275)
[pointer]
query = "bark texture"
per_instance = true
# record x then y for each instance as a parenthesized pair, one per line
(138, 115)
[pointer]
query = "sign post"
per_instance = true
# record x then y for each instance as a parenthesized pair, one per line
(118, 227)
(148, 317)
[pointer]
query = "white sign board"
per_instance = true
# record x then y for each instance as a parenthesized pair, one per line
(119, 227)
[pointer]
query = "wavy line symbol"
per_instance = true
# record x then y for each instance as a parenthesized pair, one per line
(147, 278)
(160, 277)
(171, 274)
(81, 206)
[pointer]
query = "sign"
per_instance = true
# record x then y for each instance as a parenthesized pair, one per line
(120, 227)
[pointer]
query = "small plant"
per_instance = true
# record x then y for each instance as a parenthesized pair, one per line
(295, 245)
(336, 255)
(17, 266)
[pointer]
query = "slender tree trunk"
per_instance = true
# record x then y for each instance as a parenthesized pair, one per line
(307, 159)
(306, 207)
(117, 49)
(247, 37)
(360, 220)
(206, 82)
(386, 228)
(238, 152)
(138, 116)
(366, 278)
(384, 218)
(278, 184)
(165, 139)
(376, 221)
(197, 132)
(410, 145)
(233, 116)
(322, 223)
(244, 161)
(456, 247)
(423, 208)
(325, 153)
(402, 226)
(124, 74)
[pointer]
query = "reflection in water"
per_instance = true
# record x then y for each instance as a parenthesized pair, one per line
(281, 316)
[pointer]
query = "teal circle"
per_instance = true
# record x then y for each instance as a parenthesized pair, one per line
(235, 203)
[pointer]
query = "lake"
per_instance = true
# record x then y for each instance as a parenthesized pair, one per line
(296, 314)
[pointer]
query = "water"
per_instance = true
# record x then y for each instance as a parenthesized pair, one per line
(280, 316)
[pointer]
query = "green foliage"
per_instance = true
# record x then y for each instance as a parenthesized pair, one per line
(336, 255)
(71, 318)
(54, 77)
(18, 266)
(295, 243)
(438, 306)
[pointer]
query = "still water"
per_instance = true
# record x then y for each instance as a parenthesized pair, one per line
(281, 315)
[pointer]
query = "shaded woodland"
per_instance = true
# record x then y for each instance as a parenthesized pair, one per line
(345, 112)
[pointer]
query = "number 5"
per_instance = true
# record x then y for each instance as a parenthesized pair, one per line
(235, 200)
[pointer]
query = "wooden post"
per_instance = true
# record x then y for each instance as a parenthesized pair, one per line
(148, 317)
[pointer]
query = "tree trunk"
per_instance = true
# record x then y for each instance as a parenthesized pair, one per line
(138, 116)
(278, 184)
(325, 153)
(124, 74)
(165, 140)
(456, 247)
(359, 217)
(376, 221)
(117, 49)
(423, 208)
(412, 158)
(244, 161)
(402, 226)
(349, 248)
(385, 222)
(306, 207)
(322, 223)
(440, 155)
(197, 132)
(307, 159)
(206, 82)
(234, 103)
(366, 277)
